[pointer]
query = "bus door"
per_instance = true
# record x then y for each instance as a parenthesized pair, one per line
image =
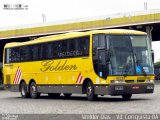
(100, 56)
(100, 65)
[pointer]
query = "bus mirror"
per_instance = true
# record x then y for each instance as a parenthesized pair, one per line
(152, 52)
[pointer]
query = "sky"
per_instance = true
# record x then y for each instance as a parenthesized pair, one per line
(57, 10)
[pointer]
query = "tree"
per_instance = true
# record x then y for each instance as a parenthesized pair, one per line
(157, 63)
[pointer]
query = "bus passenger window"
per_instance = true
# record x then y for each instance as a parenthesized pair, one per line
(15, 54)
(62, 49)
(64, 46)
(71, 45)
(49, 51)
(55, 48)
(84, 46)
(24, 53)
(34, 52)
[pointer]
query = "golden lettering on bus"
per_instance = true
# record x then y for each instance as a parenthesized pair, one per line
(50, 65)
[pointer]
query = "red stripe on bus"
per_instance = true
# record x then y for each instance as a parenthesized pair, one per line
(15, 77)
(18, 76)
(78, 77)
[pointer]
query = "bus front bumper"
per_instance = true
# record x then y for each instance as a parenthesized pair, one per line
(120, 89)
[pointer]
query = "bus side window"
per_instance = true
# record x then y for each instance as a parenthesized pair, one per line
(64, 46)
(55, 49)
(24, 53)
(62, 49)
(72, 48)
(71, 45)
(84, 46)
(15, 54)
(34, 52)
(45, 51)
(49, 50)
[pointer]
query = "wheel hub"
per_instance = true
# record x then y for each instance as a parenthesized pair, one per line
(89, 90)
(33, 89)
(23, 91)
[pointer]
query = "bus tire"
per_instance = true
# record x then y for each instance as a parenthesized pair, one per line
(54, 95)
(23, 90)
(126, 96)
(67, 95)
(33, 90)
(90, 91)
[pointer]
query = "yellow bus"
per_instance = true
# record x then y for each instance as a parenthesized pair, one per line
(98, 62)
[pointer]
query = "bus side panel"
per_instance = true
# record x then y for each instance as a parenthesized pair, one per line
(31, 71)
(66, 75)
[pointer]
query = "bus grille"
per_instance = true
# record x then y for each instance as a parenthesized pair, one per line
(129, 81)
(140, 80)
(134, 81)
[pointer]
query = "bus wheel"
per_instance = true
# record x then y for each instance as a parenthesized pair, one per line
(23, 90)
(54, 95)
(126, 96)
(90, 92)
(67, 95)
(33, 90)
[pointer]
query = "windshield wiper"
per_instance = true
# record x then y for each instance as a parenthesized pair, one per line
(126, 70)
(142, 69)
(127, 66)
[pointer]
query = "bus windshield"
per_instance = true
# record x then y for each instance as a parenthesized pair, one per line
(142, 53)
(128, 55)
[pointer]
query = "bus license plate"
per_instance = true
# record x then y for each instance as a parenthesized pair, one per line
(119, 88)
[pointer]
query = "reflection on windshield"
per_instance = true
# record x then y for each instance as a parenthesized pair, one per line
(142, 54)
(125, 51)
(122, 57)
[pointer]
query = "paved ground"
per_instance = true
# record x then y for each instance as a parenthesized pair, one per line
(12, 103)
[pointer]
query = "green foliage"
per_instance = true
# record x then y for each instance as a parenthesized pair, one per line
(157, 63)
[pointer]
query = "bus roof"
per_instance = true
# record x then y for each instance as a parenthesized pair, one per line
(75, 34)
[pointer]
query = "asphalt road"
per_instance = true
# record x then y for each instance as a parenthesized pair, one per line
(12, 103)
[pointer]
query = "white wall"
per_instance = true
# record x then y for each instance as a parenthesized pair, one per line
(156, 48)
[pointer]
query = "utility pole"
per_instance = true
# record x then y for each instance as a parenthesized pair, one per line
(145, 6)
(44, 18)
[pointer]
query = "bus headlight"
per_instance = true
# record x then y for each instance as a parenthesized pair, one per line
(149, 81)
(117, 81)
